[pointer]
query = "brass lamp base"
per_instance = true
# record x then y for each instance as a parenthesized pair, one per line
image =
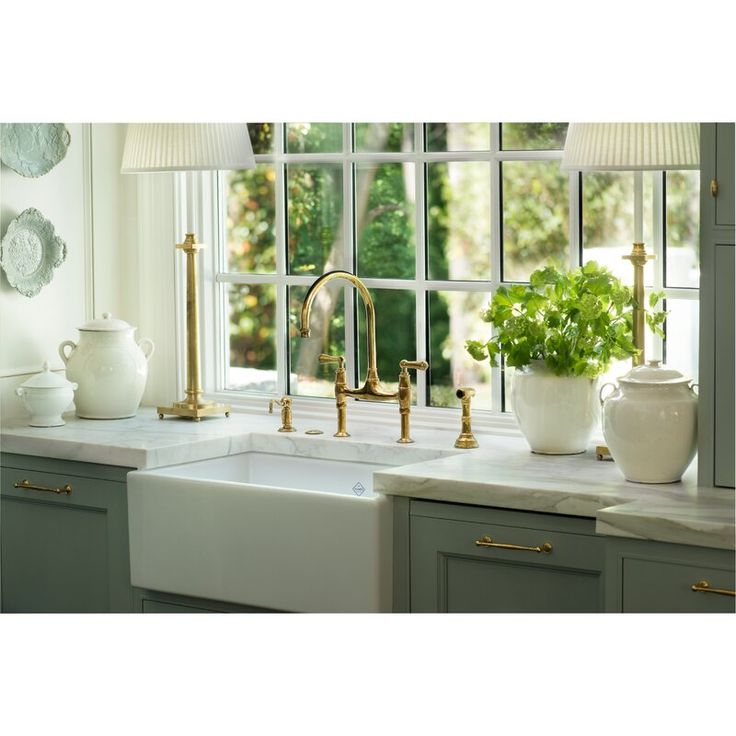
(193, 411)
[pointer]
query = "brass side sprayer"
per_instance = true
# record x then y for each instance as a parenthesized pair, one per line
(466, 440)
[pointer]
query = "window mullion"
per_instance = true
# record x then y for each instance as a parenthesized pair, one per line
(420, 275)
(574, 219)
(349, 248)
(282, 291)
(496, 250)
(658, 210)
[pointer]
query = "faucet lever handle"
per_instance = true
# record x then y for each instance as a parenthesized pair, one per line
(418, 365)
(324, 358)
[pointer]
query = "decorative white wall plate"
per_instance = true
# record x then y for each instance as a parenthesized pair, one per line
(33, 149)
(30, 251)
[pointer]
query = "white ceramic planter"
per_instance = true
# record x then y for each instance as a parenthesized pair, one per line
(46, 396)
(110, 368)
(650, 424)
(556, 414)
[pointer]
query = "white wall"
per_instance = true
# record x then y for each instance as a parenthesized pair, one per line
(32, 328)
(120, 236)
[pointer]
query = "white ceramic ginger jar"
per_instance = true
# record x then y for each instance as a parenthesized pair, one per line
(556, 414)
(46, 396)
(650, 423)
(109, 366)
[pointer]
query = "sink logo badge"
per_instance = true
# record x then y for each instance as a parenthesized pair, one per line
(358, 489)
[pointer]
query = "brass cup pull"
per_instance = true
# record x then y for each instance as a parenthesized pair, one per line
(545, 548)
(31, 487)
(703, 586)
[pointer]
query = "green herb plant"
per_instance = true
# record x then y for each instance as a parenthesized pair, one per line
(577, 322)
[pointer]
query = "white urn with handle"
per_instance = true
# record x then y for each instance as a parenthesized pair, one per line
(650, 423)
(109, 366)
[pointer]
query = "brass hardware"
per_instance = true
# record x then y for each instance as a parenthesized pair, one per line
(285, 403)
(405, 396)
(341, 384)
(192, 406)
(372, 389)
(703, 586)
(603, 453)
(486, 541)
(465, 440)
(639, 258)
(313, 431)
(31, 487)
(714, 187)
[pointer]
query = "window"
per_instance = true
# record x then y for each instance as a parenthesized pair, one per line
(433, 217)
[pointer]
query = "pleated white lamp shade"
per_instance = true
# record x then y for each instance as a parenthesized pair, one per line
(153, 147)
(631, 146)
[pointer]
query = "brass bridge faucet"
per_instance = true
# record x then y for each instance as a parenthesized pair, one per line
(372, 389)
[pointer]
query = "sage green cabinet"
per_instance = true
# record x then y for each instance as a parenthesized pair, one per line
(450, 572)
(63, 552)
(716, 417)
(152, 601)
(652, 577)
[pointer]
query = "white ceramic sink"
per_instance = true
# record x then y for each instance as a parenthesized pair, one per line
(276, 531)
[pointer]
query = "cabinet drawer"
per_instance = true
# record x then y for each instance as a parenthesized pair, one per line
(451, 572)
(652, 586)
(84, 491)
(62, 552)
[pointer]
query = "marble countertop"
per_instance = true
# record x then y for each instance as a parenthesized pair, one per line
(502, 472)
(505, 474)
(145, 441)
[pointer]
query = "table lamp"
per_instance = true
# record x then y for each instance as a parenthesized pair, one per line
(633, 147)
(160, 147)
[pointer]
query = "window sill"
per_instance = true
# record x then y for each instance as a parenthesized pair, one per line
(384, 414)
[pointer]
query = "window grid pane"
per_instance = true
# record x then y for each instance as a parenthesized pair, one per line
(317, 229)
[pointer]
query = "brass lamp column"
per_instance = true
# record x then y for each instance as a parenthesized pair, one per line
(639, 258)
(190, 147)
(192, 407)
(633, 147)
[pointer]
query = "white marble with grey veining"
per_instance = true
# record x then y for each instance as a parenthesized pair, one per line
(505, 474)
(502, 472)
(145, 441)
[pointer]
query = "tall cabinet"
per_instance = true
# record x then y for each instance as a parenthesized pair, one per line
(716, 406)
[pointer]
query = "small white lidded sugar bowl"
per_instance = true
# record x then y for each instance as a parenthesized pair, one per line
(46, 395)
(110, 367)
(650, 423)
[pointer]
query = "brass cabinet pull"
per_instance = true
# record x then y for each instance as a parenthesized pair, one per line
(486, 541)
(714, 187)
(703, 586)
(31, 487)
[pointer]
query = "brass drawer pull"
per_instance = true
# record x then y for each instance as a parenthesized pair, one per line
(30, 487)
(703, 586)
(486, 541)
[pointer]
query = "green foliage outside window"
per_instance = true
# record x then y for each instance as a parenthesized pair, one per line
(534, 226)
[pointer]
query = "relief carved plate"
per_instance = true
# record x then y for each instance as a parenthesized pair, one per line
(30, 251)
(33, 149)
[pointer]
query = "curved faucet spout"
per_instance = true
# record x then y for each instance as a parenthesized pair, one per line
(370, 315)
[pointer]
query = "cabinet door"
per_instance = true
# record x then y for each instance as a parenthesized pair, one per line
(723, 430)
(652, 586)
(725, 174)
(450, 573)
(63, 553)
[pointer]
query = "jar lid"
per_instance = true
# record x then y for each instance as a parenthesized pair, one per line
(47, 379)
(654, 373)
(106, 324)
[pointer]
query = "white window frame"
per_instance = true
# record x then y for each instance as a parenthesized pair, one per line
(214, 277)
